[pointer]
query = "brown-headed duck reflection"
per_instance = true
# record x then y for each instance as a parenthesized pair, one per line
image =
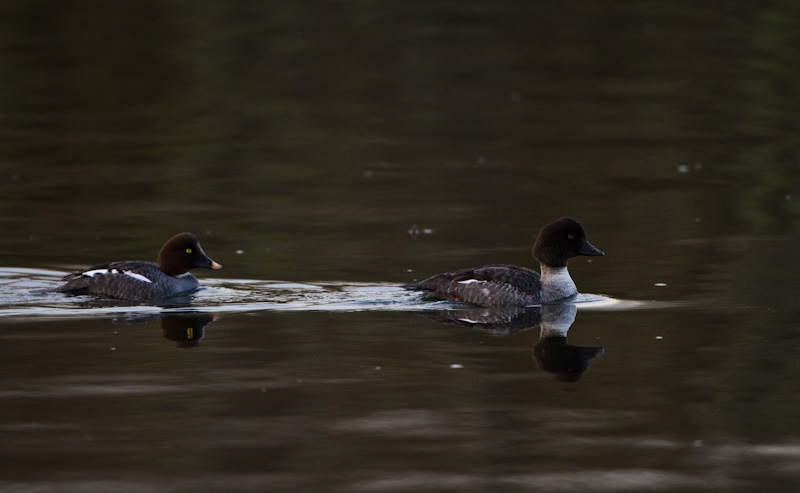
(551, 353)
(185, 329)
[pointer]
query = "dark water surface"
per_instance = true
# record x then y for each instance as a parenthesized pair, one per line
(326, 153)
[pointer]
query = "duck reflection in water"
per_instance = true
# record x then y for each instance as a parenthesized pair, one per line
(90, 302)
(551, 353)
(185, 329)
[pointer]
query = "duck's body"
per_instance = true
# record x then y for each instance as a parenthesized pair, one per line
(141, 280)
(500, 285)
(510, 285)
(130, 280)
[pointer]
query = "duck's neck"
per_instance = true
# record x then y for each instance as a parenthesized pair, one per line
(556, 283)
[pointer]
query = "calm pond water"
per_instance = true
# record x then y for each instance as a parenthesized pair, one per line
(327, 153)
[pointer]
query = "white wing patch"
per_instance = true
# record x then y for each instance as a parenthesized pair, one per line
(138, 277)
(469, 281)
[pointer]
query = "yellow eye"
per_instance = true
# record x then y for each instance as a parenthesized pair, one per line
(188, 250)
(571, 237)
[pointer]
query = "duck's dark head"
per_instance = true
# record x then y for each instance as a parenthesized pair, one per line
(182, 253)
(561, 240)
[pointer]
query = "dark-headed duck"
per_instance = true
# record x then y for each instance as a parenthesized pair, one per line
(509, 285)
(142, 280)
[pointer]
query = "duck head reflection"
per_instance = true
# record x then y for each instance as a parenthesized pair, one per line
(551, 353)
(185, 329)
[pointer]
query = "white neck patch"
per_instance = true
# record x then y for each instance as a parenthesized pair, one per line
(557, 283)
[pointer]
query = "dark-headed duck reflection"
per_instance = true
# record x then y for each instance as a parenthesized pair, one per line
(551, 353)
(185, 329)
(495, 321)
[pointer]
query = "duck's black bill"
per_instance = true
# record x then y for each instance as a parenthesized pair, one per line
(207, 263)
(588, 249)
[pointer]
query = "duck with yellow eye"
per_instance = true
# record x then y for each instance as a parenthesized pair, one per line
(510, 285)
(142, 280)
